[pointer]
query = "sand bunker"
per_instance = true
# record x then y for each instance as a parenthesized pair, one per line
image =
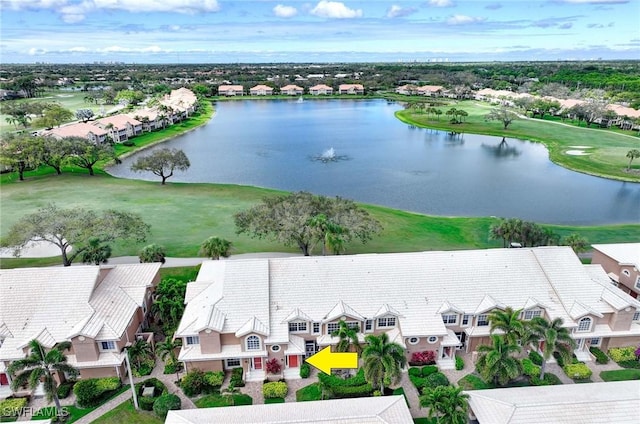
(577, 152)
(33, 249)
(581, 147)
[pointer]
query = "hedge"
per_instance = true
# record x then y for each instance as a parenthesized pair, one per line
(620, 354)
(355, 386)
(166, 403)
(193, 382)
(275, 389)
(459, 363)
(305, 370)
(629, 364)
(12, 407)
(427, 370)
(90, 392)
(601, 358)
(236, 377)
(535, 357)
(65, 389)
(213, 380)
(549, 380)
(437, 379)
(529, 368)
(579, 371)
(147, 402)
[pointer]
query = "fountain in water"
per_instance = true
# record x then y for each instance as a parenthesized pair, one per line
(329, 155)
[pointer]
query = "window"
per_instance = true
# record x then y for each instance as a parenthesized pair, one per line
(636, 316)
(193, 340)
(432, 339)
(387, 322)
(108, 345)
(626, 272)
(233, 362)
(413, 340)
(275, 348)
(316, 328)
(483, 320)
(595, 342)
(638, 283)
(368, 325)
(253, 343)
(354, 325)
(466, 319)
(297, 326)
(332, 326)
(584, 324)
(532, 314)
(450, 318)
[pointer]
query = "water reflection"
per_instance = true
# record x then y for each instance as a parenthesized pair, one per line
(502, 149)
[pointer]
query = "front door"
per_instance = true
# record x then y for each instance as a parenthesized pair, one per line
(580, 344)
(462, 336)
(4, 381)
(257, 363)
(293, 361)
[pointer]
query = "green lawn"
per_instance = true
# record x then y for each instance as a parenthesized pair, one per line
(125, 413)
(183, 215)
(310, 392)
(273, 400)
(75, 413)
(215, 400)
(620, 375)
(608, 148)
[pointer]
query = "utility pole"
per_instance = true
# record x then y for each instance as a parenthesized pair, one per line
(133, 387)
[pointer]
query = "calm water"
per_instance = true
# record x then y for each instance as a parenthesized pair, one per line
(272, 143)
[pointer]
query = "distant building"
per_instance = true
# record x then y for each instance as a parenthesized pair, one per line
(261, 90)
(292, 90)
(350, 89)
(230, 90)
(320, 89)
(622, 263)
(120, 127)
(79, 129)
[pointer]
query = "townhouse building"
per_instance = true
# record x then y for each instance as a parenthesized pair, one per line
(621, 261)
(261, 90)
(350, 89)
(243, 313)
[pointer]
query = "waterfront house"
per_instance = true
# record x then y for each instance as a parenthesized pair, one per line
(230, 90)
(320, 89)
(621, 261)
(261, 90)
(292, 90)
(78, 129)
(120, 127)
(350, 89)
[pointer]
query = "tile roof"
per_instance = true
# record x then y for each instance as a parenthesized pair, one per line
(119, 121)
(623, 253)
(79, 129)
(613, 402)
(373, 410)
(223, 88)
(262, 87)
(290, 87)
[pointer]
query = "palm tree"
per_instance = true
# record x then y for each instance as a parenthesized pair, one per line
(447, 403)
(139, 351)
(555, 337)
(632, 154)
(169, 309)
(328, 233)
(496, 362)
(214, 247)
(167, 350)
(152, 253)
(508, 321)
(383, 360)
(41, 365)
(348, 336)
(96, 252)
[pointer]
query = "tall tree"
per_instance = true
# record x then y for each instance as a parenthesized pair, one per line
(632, 154)
(41, 365)
(215, 247)
(328, 232)
(169, 302)
(555, 338)
(162, 163)
(55, 152)
(152, 253)
(139, 351)
(347, 337)
(447, 403)
(503, 115)
(75, 227)
(576, 242)
(287, 219)
(382, 360)
(54, 115)
(84, 114)
(85, 153)
(21, 152)
(496, 363)
(507, 321)
(96, 253)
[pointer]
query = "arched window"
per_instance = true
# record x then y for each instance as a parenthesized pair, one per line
(584, 324)
(253, 343)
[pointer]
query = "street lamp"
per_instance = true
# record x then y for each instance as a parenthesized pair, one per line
(133, 387)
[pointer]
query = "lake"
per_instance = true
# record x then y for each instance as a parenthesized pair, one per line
(273, 143)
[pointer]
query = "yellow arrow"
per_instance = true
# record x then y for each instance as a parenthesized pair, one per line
(325, 360)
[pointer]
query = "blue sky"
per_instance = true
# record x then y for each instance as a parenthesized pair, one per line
(228, 31)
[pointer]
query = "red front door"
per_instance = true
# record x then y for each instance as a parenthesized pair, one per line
(293, 361)
(4, 381)
(257, 363)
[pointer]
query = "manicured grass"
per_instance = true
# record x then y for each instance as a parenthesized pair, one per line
(75, 413)
(620, 375)
(310, 392)
(125, 413)
(425, 420)
(184, 273)
(183, 215)
(607, 148)
(215, 400)
(274, 400)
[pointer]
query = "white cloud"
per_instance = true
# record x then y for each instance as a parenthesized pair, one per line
(441, 3)
(464, 19)
(335, 9)
(32, 4)
(282, 11)
(396, 11)
(177, 6)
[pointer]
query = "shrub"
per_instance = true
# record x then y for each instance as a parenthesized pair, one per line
(629, 364)
(459, 363)
(159, 389)
(128, 143)
(171, 367)
(275, 389)
(305, 370)
(166, 403)
(236, 377)
(620, 354)
(65, 389)
(91, 391)
(355, 386)
(193, 382)
(535, 357)
(415, 372)
(12, 407)
(579, 371)
(428, 370)
(530, 369)
(601, 358)
(549, 380)
(145, 368)
(437, 379)
(428, 357)
(213, 380)
(273, 366)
